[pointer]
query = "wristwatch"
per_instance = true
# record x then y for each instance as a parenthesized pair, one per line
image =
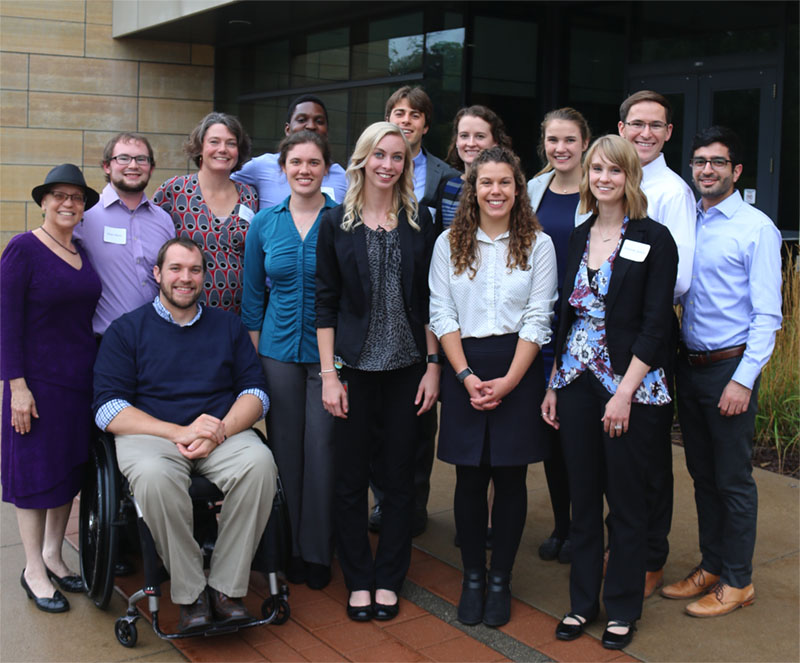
(463, 375)
(433, 359)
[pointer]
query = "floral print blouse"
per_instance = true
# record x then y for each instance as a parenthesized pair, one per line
(586, 343)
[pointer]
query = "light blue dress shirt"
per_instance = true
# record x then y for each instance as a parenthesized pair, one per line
(264, 172)
(420, 173)
(275, 249)
(735, 292)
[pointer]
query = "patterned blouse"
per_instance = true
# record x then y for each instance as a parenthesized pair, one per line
(586, 343)
(389, 343)
(222, 239)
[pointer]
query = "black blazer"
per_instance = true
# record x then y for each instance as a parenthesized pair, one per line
(344, 288)
(639, 312)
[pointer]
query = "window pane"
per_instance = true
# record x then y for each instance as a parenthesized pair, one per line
(327, 59)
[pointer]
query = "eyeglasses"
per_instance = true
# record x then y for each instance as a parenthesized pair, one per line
(717, 163)
(125, 159)
(60, 197)
(654, 126)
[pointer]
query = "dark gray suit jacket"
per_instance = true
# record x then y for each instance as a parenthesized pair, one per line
(437, 172)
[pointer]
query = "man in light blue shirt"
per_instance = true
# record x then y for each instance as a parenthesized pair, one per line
(730, 315)
(306, 112)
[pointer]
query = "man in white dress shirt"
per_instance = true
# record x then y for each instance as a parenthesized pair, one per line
(646, 122)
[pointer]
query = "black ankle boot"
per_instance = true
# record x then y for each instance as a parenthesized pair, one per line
(497, 610)
(470, 606)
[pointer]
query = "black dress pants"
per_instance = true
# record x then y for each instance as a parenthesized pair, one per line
(598, 463)
(384, 400)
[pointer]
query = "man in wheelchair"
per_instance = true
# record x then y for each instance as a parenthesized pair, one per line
(180, 386)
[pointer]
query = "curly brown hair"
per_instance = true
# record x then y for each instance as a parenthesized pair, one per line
(522, 224)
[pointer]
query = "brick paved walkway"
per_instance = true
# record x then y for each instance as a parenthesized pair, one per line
(425, 630)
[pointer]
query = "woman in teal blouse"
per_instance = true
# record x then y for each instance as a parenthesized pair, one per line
(281, 250)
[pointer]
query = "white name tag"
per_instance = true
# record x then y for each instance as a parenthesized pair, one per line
(115, 235)
(245, 213)
(635, 251)
(329, 190)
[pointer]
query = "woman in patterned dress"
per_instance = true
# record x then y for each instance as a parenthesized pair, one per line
(608, 384)
(211, 209)
(373, 255)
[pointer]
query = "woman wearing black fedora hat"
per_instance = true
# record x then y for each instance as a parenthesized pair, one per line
(48, 293)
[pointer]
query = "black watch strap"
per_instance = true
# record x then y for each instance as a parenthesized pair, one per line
(463, 375)
(433, 359)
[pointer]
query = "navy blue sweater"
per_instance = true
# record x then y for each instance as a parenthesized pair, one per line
(176, 373)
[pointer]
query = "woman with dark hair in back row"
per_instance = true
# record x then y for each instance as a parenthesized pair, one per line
(211, 209)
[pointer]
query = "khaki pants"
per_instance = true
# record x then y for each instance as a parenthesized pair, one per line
(241, 467)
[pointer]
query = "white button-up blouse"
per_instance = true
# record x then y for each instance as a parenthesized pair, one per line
(497, 300)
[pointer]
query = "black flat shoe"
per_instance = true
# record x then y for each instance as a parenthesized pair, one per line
(360, 613)
(296, 571)
(383, 612)
(497, 609)
(57, 603)
(566, 631)
(470, 605)
(549, 548)
(618, 640)
(71, 583)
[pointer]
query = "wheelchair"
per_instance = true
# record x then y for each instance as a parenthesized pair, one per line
(109, 511)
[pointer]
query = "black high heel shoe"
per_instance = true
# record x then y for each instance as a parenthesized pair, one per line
(70, 583)
(613, 640)
(55, 603)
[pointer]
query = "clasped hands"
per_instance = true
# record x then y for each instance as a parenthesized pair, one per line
(201, 437)
(487, 395)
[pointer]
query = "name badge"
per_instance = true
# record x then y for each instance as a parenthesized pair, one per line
(329, 190)
(635, 251)
(115, 235)
(246, 213)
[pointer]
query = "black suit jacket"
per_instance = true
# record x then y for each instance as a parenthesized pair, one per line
(344, 288)
(639, 311)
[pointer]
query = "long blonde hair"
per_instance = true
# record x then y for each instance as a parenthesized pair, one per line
(621, 153)
(403, 195)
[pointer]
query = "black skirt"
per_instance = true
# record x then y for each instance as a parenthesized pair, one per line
(513, 431)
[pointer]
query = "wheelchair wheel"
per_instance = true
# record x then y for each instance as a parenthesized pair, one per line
(98, 536)
(126, 632)
(283, 611)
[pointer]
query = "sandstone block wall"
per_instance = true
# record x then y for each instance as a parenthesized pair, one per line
(66, 87)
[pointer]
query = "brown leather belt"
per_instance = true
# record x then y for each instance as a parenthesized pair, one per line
(705, 358)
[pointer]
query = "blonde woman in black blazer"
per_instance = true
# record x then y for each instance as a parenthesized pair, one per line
(373, 255)
(608, 384)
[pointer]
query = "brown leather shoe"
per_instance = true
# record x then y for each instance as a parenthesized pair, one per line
(195, 616)
(695, 584)
(652, 581)
(721, 600)
(227, 610)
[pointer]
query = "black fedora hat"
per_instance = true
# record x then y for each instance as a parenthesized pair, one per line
(66, 173)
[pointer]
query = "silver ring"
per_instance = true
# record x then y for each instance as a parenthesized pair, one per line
(543, 413)
(618, 427)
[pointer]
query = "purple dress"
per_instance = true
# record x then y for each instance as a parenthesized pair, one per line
(46, 309)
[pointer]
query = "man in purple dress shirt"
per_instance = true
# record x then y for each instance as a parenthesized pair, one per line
(730, 315)
(123, 234)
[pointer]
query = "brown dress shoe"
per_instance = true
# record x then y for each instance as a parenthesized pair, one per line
(721, 600)
(652, 581)
(695, 584)
(228, 610)
(195, 616)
